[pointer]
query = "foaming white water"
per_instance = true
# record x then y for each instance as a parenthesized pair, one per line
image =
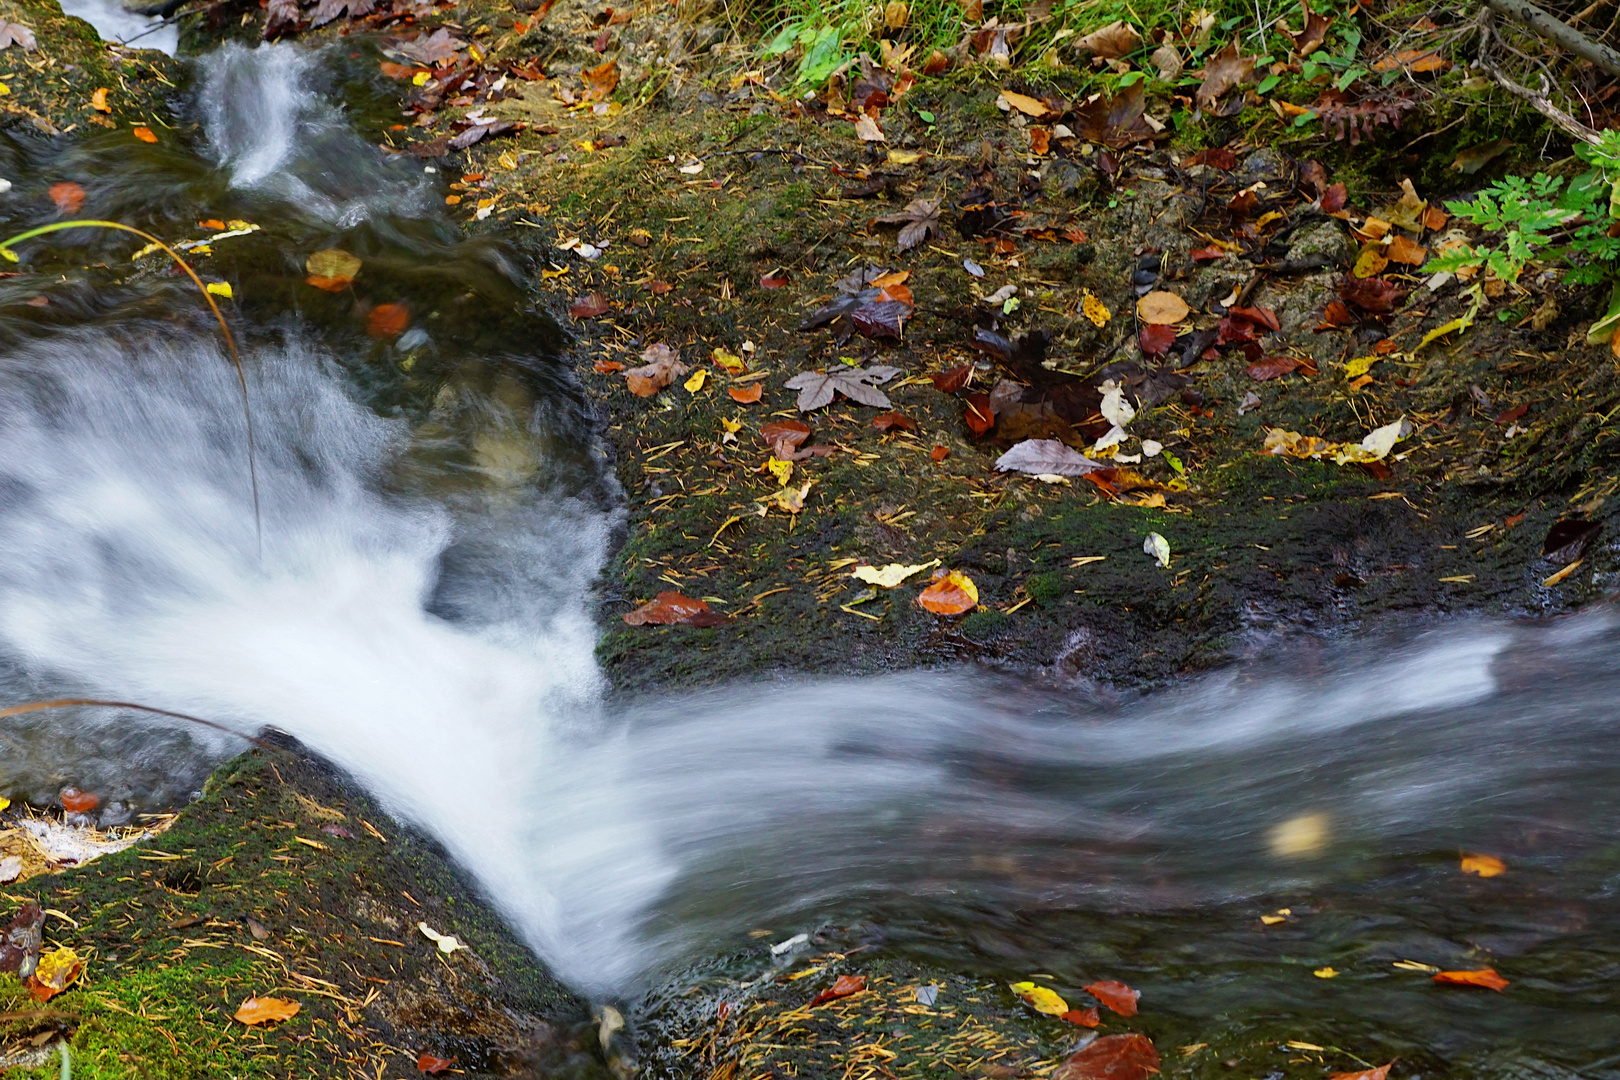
(268, 122)
(115, 22)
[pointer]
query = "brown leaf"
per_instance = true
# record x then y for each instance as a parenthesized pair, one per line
(773, 280)
(589, 306)
(75, 801)
(979, 416)
(890, 420)
(1208, 253)
(920, 219)
(1375, 295)
(1156, 339)
(1333, 199)
(1216, 157)
(1112, 1057)
(1117, 121)
(1484, 977)
(1417, 61)
(939, 453)
(1040, 141)
(1162, 307)
(662, 368)
(1029, 106)
(1260, 316)
(1082, 1017)
(98, 100)
(1507, 416)
(672, 609)
(952, 380)
(816, 388)
(1336, 316)
(1116, 995)
(1225, 70)
(1111, 42)
(266, 1010)
(1272, 367)
(784, 437)
(746, 395)
(1309, 39)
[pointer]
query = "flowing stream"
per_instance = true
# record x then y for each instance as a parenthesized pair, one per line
(414, 601)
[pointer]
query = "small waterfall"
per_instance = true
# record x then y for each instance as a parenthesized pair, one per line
(116, 22)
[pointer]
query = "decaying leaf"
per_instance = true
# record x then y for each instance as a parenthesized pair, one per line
(1043, 999)
(1027, 105)
(890, 420)
(327, 10)
(887, 577)
(16, 34)
(865, 305)
(1116, 995)
(432, 1065)
(817, 388)
(1117, 121)
(1375, 447)
(53, 974)
(448, 944)
(1158, 547)
(672, 609)
(1113, 41)
(951, 593)
(1483, 865)
(1484, 977)
(843, 986)
(601, 80)
(266, 1010)
(68, 196)
(1112, 1057)
(1094, 309)
(918, 221)
(784, 438)
(589, 306)
(1163, 308)
(663, 367)
(1225, 70)
(1311, 36)
(1045, 457)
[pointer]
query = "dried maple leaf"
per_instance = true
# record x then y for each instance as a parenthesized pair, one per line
(919, 221)
(327, 10)
(1225, 70)
(16, 34)
(890, 420)
(589, 306)
(601, 80)
(817, 388)
(952, 380)
(843, 986)
(1111, 42)
(672, 609)
(1484, 977)
(1310, 38)
(266, 1010)
(952, 593)
(1116, 121)
(1112, 1057)
(1116, 995)
(1045, 457)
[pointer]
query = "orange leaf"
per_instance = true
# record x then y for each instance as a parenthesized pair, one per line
(1082, 1017)
(1485, 977)
(1483, 865)
(952, 593)
(67, 196)
(1380, 1073)
(671, 609)
(600, 80)
(940, 453)
(98, 100)
(1115, 995)
(1112, 1057)
(1040, 141)
(78, 802)
(891, 419)
(746, 395)
(433, 1066)
(266, 1010)
(144, 134)
(399, 71)
(607, 367)
(1402, 250)
(388, 320)
(329, 284)
(1419, 61)
(212, 223)
(978, 416)
(893, 277)
(843, 987)
(1434, 219)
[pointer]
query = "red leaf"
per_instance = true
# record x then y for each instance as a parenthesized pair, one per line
(1115, 995)
(1112, 1057)
(1333, 199)
(773, 281)
(1234, 331)
(1485, 977)
(1507, 416)
(843, 987)
(671, 608)
(1272, 367)
(1218, 157)
(979, 417)
(1082, 1017)
(1258, 315)
(589, 306)
(746, 395)
(67, 196)
(1380, 1073)
(891, 420)
(949, 382)
(607, 367)
(388, 320)
(1375, 294)
(1206, 254)
(940, 453)
(433, 1066)
(1156, 339)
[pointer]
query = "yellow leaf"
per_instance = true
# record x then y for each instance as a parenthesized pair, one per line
(1325, 973)
(508, 160)
(332, 263)
(266, 1010)
(221, 288)
(1273, 920)
(57, 969)
(1025, 104)
(1045, 1001)
(1461, 322)
(1359, 366)
(906, 157)
(791, 500)
(730, 361)
(1361, 382)
(1370, 262)
(782, 470)
(1295, 1044)
(695, 382)
(4, 89)
(98, 100)
(1483, 865)
(891, 575)
(1267, 218)
(4, 802)
(1095, 310)
(1562, 574)
(731, 426)
(420, 78)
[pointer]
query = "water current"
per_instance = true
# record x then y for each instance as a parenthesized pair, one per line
(415, 603)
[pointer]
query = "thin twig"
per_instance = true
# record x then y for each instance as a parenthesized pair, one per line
(63, 703)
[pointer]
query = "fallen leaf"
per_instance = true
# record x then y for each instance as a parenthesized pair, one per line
(15, 33)
(332, 265)
(589, 306)
(143, 133)
(1273, 367)
(730, 362)
(1485, 977)
(746, 395)
(1040, 141)
(1475, 158)
(784, 437)
(889, 576)
(607, 367)
(68, 196)
(949, 382)
(1417, 61)
(601, 80)
(773, 280)
(890, 420)
(1337, 316)
(1025, 104)
(1405, 251)
(939, 453)
(952, 593)
(266, 1010)
(919, 221)
(1163, 308)
(1224, 71)
(1371, 262)
(220, 288)
(1111, 42)
(1380, 1073)
(816, 388)
(867, 130)
(1112, 1057)
(1310, 38)
(1043, 1000)
(1083, 1017)
(1116, 995)
(1156, 339)
(1483, 865)
(1326, 973)
(1377, 296)
(1158, 547)
(78, 802)
(980, 417)
(387, 320)
(433, 1066)
(98, 101)
(55, 971)
(448, 944)
(662, 368)
(843, 986)
(1045, 457)
(695, 383)
(1094, 309)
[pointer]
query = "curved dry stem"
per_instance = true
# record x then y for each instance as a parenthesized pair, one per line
(224, 327)
(63, 703)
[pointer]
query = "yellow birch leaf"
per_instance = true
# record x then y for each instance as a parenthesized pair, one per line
(695, 382)
(1354, 369)
(782, 470)
(891, 575)
(1045, 1000)
(1370, 262)
(1095, 310)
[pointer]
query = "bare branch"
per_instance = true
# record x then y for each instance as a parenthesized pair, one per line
(1559, 33)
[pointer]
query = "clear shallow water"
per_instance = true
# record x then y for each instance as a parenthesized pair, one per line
(434, 511)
